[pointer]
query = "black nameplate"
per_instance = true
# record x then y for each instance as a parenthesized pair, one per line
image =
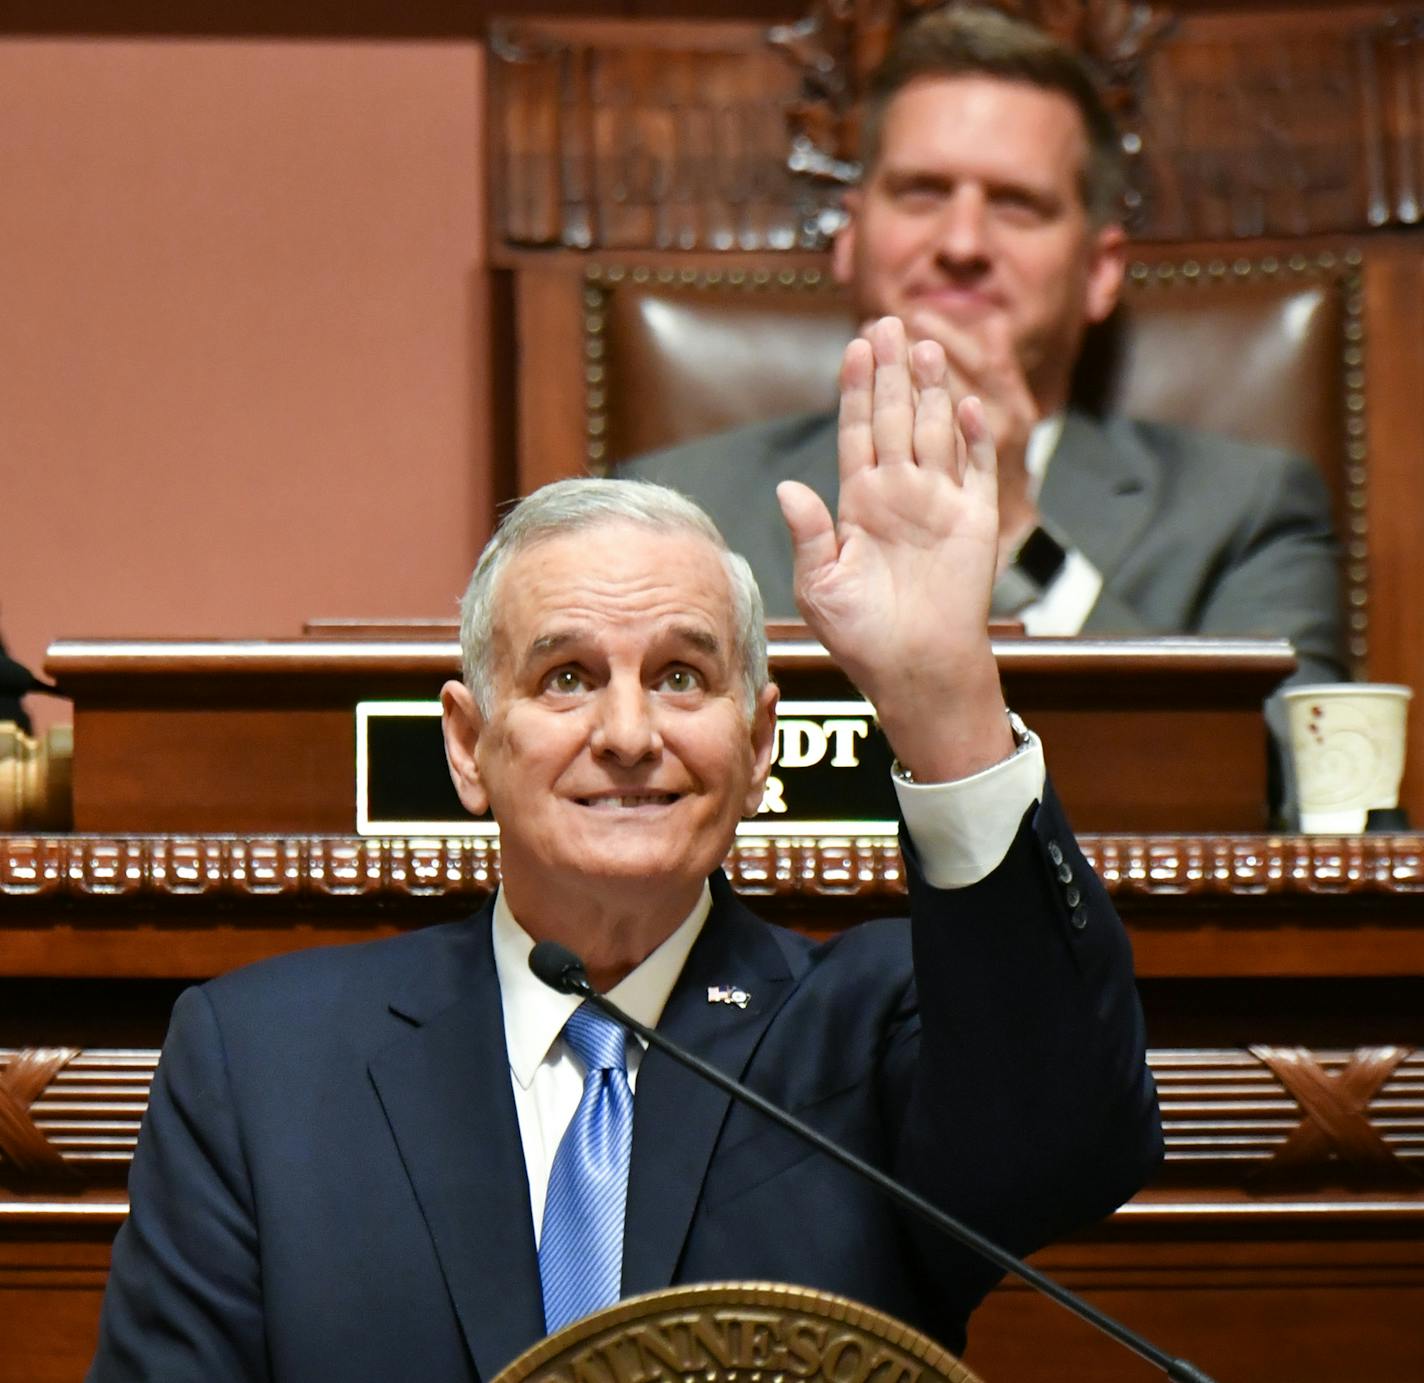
(830, 775)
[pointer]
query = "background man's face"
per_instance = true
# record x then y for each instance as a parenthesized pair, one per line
(973, 211)
(618, 747)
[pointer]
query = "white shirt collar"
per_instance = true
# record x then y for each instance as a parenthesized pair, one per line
(534, 1014)
(1042, 443)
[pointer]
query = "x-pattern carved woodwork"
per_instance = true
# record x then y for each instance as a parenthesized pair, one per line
(1336, 1123)
(22, 1081)
(1226, 1113)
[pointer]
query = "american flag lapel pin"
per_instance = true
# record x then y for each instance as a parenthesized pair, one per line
(727, 994)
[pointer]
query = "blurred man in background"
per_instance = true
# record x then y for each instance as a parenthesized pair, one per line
(988, 221)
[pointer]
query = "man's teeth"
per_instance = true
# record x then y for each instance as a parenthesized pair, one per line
(634, 799)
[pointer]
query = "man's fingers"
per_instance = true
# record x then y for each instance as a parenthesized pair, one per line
(855, 442)
(813, 534)
(962, 347)
(935, 444)
(892, 417)
(982, 463)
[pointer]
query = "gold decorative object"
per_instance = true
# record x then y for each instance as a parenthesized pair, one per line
(35, 778)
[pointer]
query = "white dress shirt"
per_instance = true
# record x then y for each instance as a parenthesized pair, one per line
(1066, 601)
(961, 830)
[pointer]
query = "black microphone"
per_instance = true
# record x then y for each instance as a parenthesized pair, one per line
(561, 969)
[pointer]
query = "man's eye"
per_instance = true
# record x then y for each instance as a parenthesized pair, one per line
(1021, 207)
(919, 197)
(680, 679)
(565, 680)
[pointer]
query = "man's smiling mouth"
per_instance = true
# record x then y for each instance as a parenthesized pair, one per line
(629, 800)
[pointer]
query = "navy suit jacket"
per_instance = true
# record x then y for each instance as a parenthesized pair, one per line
(330, 1181)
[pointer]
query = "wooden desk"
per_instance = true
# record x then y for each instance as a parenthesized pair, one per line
(1145, 735)
(1283, 980)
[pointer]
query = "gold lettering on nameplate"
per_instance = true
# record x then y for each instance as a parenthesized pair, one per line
(830, 777)
(737, 1333)
(802, 743)
(773, 796)
(829, 772)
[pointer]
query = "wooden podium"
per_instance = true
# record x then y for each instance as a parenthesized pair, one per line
(1146, 735)
(1282, 977)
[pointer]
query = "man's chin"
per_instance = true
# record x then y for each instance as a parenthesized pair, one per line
(933, 320)
(645, 866)
(648, 868)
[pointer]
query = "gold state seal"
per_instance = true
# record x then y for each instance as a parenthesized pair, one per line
(738, 1332)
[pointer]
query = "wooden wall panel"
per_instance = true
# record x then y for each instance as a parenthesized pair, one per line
(1394, 292)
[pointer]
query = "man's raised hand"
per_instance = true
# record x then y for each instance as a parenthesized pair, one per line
(897, 587)
(983, 362)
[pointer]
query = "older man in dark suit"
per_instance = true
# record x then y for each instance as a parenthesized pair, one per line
(410, 1160)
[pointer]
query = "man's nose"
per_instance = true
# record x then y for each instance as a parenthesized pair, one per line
(624, 729)
(963, 230)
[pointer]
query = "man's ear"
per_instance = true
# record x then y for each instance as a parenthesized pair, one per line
(763, 732)
(1106, 266)
(462, 723)
(843, 247)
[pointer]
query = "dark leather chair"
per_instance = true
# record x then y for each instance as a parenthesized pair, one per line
(1255, 348)
(1263, 348)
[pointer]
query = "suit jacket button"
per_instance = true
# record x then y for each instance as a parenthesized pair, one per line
(1080, 918)
(1072, 895)
(1055, 852)
(1065, 873)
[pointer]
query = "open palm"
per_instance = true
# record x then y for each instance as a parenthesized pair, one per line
(899, 584)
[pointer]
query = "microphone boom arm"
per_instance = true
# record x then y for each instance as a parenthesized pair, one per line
(561, 969)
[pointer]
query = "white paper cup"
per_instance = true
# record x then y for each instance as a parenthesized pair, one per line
(1347, 743)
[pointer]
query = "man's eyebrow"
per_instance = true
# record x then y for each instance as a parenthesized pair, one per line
(701, 639)
(913, 176)
(548, 644)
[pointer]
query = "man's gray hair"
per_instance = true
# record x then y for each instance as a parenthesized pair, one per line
(567, 506)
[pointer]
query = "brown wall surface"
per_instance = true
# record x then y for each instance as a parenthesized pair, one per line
(242, 355)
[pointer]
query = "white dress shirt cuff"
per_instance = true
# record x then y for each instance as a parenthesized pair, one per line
(963, 830)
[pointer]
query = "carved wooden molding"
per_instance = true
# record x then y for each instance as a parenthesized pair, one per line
(1237, 124)
(1334, 1099)
(1261, 1121)
(1258, 866)
(232, 869)
(25, 1142)
(320, 870)
(837, 46)
(652, 135)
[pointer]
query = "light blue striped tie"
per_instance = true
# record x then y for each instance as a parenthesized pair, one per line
(581, 1246)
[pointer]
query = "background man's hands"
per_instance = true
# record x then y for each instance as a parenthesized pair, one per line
(897, 588)
(984, 363)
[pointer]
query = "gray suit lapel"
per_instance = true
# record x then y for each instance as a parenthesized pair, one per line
(445, 1089)
(1100, 490)
(677, 1115)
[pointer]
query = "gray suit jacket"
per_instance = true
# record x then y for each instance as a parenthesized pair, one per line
(1193, 533)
